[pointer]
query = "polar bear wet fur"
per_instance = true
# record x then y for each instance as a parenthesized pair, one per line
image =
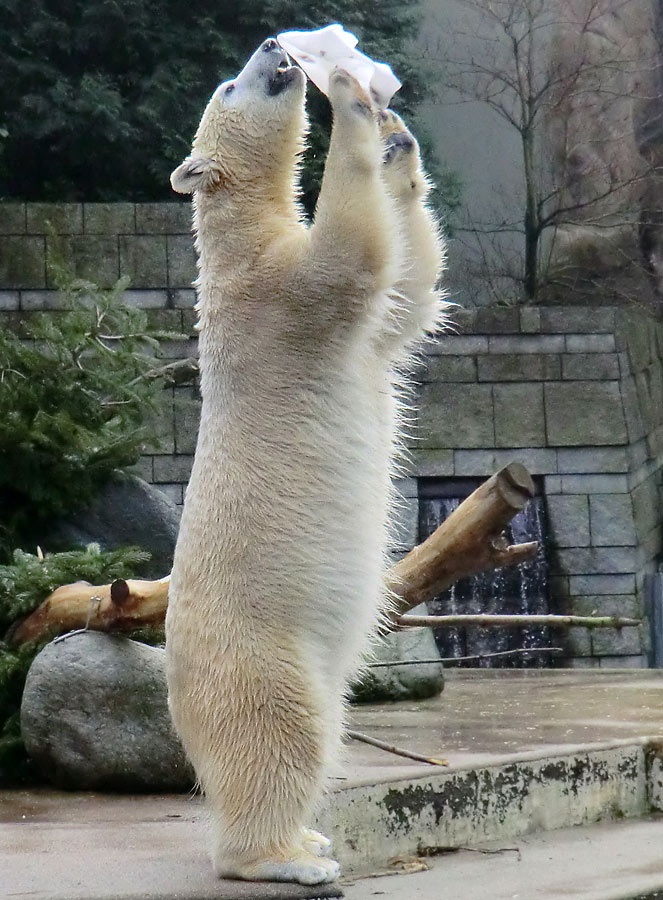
(277, 583)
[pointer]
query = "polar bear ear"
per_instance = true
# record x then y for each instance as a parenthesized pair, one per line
(194, 174)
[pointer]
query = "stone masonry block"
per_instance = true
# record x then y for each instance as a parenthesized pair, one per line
(449, 368)
(187, 420)
(562, 319)
(634, 334)
(581, 413)
(590, 460)
(530, 320)
(625, 605)
(144, 259)
(655, 442)
(458, 345)
(624, 364)
(174, 492)
(569, 520)
(576, 641)
(8, 300)
(172, 468)
(146, 299)
(62, 218)
(22, 262)
(405, 487)
(182, 298)
(430, 463)
(590, 366)
(182, 267)
(36, 301)
(526, 343)
(463, 319)
(597, 560)
(552, 484)
(454, 415)
(594, 484)
(611, 518)
(590, 343)
(519, 367)
(165, 320)
(178, 349)
(631, 405)
(91, 257)
(616, 641)
(164, 218)
(647, 508)
(581, 662)
(601, 584)
(638, 454)
(519, 418)
(649, 387)
(143, 468)
(623, 662)
(486, 462)
(109, 218)
(12, 218)
(497, 320)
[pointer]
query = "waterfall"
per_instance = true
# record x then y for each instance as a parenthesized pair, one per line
(517, 589)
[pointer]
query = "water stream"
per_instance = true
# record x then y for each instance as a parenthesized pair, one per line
(518, 589)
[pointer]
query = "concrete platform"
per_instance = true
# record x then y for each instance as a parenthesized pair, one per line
(618, 861)
(528, 751)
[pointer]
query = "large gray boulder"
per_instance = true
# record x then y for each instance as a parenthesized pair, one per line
(126, 511)
(402, 682)
(94, 716)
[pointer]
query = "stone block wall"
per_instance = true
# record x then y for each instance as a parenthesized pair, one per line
(576, 395)
(150, 243)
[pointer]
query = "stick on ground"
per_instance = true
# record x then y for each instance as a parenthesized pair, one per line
(398, 751)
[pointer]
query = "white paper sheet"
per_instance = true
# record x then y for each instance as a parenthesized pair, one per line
(319, 52)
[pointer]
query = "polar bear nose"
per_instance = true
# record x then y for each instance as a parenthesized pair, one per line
(269, 45)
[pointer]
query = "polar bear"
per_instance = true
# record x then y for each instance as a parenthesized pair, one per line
(277, 581)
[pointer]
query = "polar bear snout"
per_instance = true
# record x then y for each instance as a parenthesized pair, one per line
(270, 65)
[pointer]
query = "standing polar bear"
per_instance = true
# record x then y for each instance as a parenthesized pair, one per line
(277, 582)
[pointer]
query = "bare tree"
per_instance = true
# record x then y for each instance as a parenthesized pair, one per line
(573, 80)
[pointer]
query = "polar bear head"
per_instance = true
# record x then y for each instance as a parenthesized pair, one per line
(253, 125)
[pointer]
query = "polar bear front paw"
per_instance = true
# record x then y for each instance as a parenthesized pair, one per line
(347, 95)
(400, 153)
(315, 843)
(303, 868)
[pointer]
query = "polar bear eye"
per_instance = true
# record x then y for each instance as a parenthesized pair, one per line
(229, 89)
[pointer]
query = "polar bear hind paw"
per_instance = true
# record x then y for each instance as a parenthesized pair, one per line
(315, 843)
(302, 867)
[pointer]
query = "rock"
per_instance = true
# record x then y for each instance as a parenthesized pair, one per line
(403, 682)
(127, 511)
(94, 716)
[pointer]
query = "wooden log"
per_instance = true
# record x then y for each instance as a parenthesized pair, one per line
(518, 621)
(469, 541)
(120, 606)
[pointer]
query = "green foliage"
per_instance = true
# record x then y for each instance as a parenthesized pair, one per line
(73, 405)
(24, 584)
(100, 100)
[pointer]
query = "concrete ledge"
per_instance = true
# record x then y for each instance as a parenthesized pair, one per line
(465, 806)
